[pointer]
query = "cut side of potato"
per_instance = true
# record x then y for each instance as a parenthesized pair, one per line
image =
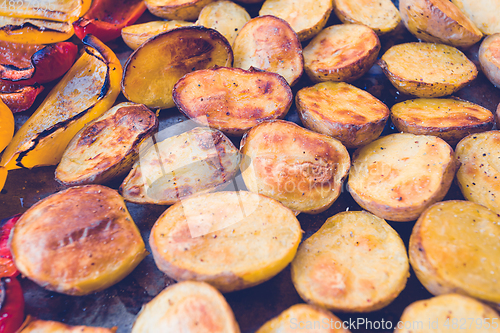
(232, 100)
(187, 307)
(449, 119)
(483, 13)
(187, 10)
(342, 111)
(231, 240)
(302, 169)
(33, 325)
(137, 34)
(269, 43)
(77, 241)
(398, 176)
(454, 249)
(355, 262)
(489, 58)
(341, 52)
(107, 147)
(427, 69)
(151, 72)
(306, 18)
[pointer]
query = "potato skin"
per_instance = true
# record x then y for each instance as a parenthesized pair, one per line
(186, 10)
(489, 58)
(34, 325)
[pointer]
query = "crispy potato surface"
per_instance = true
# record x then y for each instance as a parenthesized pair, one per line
(186, 10)
(489, 58)
(232, 240)
(483, 13)
(354, 262)
(232, 100)
(341, 52)
(398, 176)
(302, 169)
(77, 241)
(342, 111)
(427, 69)
(269, 43)
(137, 34)
(454, 249)
(33, 325)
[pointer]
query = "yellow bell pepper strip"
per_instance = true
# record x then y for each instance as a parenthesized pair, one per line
(6, 134)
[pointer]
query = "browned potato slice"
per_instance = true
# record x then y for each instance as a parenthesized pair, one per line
(489, 58)
(232, 100)
(152, 70)
(355, 262)
(187, 10)
(398, 176)
(232, 240)
(269, 43)
(439, 21)
(137, 34)
(479, 172)
(343, 111)
(303, 317)
(306, 17)
(77, 241)
(302, 169)
(426, 69)
(33, 325)
(454, 249)
(449, 119)
(341, 52)
(187, 307)
(107, 147)
(224, 16)
(447, 314)
(483, 13)
(379, 15)
(198, 161)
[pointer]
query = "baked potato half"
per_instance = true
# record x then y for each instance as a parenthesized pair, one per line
(489, 58)
(231, 240)
(137, 34)
(342, 111)
(427, 69)
(302, 169)
(454, 249)
(185, 10)
(341, 52)
(355, 262)
(77, 241)
(34, 325)
(483, 13)
(398, 176)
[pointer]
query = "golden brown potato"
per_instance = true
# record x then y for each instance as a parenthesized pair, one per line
(489, 58)
(439, 21)
(186, 10)
(198, 161)
(232, 100)
(483, 13)
(33, 325)
(77, 241)
(107, 147)
(426, 69)
(152, 70)
(355, 262)
(341, 52)
(398, 176)
(454, 249)
(269, 43)
(342, 111)
(232, 240)
(449, 119)
(302, 169)
(479, 172)
(224, 16)
(187, 307)
(306, 17)
(137, 34)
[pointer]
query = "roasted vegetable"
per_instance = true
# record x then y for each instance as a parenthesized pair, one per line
(7, 267)
(137, 34)
(11, 305)
(177, 9)
(6, 134)
(483, 13)
(33, 325)
(18, 97)
(489, 58)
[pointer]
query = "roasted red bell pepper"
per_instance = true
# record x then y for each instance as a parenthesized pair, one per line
(7, 268)
(11, 305)
(106, 18)
(17, 97)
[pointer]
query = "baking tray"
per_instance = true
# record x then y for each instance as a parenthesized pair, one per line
(119, 304)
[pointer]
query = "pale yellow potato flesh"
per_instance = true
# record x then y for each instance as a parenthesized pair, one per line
(489, 58)
(135, 35)
(186, 10)
(33, 325)
(483, 13)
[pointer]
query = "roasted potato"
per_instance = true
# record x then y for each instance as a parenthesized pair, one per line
(33, 325)
(489, 58)
(483, 13)
(449, 119)
(439, 21)
(341, 52)
(107, 147)
(269, 43)
(77, 241)
(355, 262)
(302, 169)
(398, 176)
(232, 240)
(187, 307)
(426, 69)
(152, 70)
(306, 17)
(187, 10)
(137, 34)
(342, 111)
(454, 249)
(232, 100)
(198, 161)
